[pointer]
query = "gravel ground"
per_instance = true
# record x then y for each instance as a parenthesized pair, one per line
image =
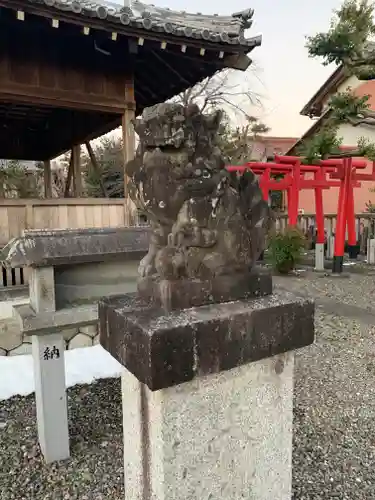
(356, 289)
(95, 471)
(334, 413)
(334, 441)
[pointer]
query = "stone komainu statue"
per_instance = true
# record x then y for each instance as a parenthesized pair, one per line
(206, 223)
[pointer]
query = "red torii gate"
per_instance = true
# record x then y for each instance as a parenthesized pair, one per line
(346, 171)
(337, 172)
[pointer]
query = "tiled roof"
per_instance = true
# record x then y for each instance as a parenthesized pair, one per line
(212, 28)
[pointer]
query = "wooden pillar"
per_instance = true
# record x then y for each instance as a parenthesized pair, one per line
(77, 177)
(47, 179)
(128, 139)
(69, 175)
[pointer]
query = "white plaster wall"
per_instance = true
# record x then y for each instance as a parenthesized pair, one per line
(351, 82)
(219, 437)
(351, 134)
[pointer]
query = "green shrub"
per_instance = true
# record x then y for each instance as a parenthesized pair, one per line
(285, 249)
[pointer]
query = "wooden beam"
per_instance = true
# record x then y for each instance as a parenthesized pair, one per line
(238, 61)
(128, 139)
(47, 179)
(77, 174)
(26, 81)
(171, 69)
(95, 166)
(70, 175)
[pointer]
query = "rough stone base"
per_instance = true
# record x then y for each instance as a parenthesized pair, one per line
(184, 293)
(164, 349)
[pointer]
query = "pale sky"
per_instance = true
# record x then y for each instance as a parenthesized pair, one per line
(284, 76)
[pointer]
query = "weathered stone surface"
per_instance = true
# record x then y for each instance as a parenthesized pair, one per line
(207, 224)
(52, 322)
(90, 330)
(17, 292)
(10, 334)
(181, 294)
(80, 340)
(87, 283)
(69, 333)
(224, 436)
(6, 306)
(163, 350)
(3, 352)
(39, 248)
(42, 289)
(22, 349)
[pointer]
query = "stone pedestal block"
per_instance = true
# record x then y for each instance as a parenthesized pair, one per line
(165, 349)
(207, 395)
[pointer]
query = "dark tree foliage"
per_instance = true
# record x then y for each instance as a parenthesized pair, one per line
(110, 159)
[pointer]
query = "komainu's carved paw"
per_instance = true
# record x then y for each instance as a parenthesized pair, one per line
(147, 265)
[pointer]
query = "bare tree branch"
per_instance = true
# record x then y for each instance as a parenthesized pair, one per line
(220, 91)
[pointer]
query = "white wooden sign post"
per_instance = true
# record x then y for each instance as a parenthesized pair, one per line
(49, 372)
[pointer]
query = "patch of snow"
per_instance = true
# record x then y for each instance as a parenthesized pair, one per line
(82, 366)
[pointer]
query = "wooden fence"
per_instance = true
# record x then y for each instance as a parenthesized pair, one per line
(58, 213)
(16, 215)
(364, 223)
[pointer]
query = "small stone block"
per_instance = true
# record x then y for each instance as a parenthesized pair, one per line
(164, 350)
(185, 293)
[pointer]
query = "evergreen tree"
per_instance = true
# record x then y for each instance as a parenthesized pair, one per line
(347, 43)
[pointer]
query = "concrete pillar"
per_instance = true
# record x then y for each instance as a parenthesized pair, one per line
(49, 372)
(330, 247)
(319, 256)
(207, 404)
(371, 251)
(221, 436)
